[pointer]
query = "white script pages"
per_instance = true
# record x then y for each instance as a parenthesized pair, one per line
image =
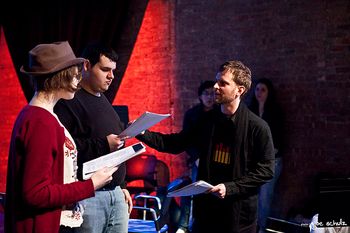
(112, 159)
(145, 121)
(191, 189)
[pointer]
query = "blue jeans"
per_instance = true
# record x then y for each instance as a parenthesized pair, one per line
(107, 212)
(266, 195)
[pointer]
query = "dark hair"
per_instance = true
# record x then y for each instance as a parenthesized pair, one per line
(271, 96)
(93, 52)
(269, 86)
(205, 85)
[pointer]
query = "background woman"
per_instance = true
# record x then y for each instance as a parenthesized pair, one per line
(264, 104)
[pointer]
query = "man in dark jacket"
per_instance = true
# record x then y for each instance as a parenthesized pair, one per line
(236, 155)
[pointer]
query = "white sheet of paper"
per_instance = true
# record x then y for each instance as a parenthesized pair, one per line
(112, 159)
(145, 121)
(191, 189)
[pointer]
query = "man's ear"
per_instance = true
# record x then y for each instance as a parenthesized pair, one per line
(241, 90)
(86, 65)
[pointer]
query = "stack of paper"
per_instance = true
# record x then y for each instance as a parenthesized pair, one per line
(112, 159)
(191, 189)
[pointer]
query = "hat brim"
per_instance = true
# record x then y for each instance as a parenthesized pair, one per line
(54, 69)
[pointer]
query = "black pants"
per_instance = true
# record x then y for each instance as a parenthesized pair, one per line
(64, 229)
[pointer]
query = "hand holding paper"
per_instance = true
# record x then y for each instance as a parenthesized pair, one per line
(102, 177)
(192, 189)
(219, 191)
(115, 142)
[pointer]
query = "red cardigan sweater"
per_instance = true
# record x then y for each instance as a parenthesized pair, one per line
(35, 192)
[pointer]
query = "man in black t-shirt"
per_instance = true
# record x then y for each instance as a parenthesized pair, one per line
(94, 125)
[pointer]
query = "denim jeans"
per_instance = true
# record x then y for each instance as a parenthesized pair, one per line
(107, 212)
(266, 195)
(185, 220)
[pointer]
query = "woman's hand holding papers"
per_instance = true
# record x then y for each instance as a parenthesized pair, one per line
(219, 191)
(103, 176)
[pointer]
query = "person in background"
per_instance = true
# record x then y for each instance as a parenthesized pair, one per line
(41, 184)
(236, 155)
(95, 126)
(264, 105)
(206, 104)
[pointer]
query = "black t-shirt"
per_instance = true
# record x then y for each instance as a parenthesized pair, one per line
(222, 157)
(89, 119)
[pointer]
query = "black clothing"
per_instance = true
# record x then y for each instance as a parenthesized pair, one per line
(237, 151)
(273, 116)
(191, 117)
(89, 119)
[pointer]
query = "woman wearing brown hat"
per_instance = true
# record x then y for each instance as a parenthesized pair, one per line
(42, 188)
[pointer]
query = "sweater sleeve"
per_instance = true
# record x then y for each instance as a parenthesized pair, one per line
(90, 147)
(41, 186)
(171, 143)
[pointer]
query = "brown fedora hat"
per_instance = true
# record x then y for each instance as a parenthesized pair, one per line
(50, 58)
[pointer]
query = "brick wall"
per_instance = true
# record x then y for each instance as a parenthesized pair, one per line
(148, 83)
(302, 46)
